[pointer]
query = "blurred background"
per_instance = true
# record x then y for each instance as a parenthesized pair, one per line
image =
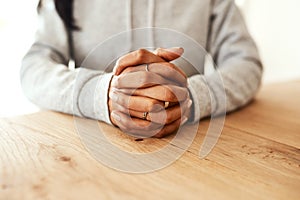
(274, 24)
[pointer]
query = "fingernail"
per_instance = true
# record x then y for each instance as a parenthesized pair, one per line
(177, 50)
(116, 116)
(116, 67)
(184, 120)
(190, 103)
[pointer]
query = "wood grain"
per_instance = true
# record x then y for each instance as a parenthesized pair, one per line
(257, 157)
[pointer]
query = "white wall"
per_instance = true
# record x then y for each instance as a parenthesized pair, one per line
(276, 28)
(17, 27)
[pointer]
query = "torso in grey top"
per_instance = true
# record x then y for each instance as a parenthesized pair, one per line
(216, 25)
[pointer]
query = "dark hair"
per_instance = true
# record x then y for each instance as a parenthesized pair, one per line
(64, 9)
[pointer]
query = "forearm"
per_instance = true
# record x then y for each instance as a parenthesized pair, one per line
(239, 69)
(51, 85)
(229, 88)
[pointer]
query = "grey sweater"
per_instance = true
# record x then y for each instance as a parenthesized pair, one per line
(217, 25)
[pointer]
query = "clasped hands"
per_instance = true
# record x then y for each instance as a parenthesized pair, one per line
(148, 95)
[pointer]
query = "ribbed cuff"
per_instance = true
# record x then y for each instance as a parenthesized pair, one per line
(93, 99)
(201, 98)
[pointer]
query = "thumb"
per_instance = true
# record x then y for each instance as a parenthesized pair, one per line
(169, 54)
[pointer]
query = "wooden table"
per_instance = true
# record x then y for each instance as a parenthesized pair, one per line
(257, 157)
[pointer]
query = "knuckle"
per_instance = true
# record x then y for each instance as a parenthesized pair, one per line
(127, 70)
(168, 118)
(172, 69)
(140, 54)
(170, 94)
(159, 49)
(121, 100)
(152, 104)
(116, 81)
(113, 97)
(171, 65)
(113, 81)
(186, 93)
(146, 77)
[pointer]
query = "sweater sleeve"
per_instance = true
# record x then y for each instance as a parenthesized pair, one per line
(49, 83)
(238, 67)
